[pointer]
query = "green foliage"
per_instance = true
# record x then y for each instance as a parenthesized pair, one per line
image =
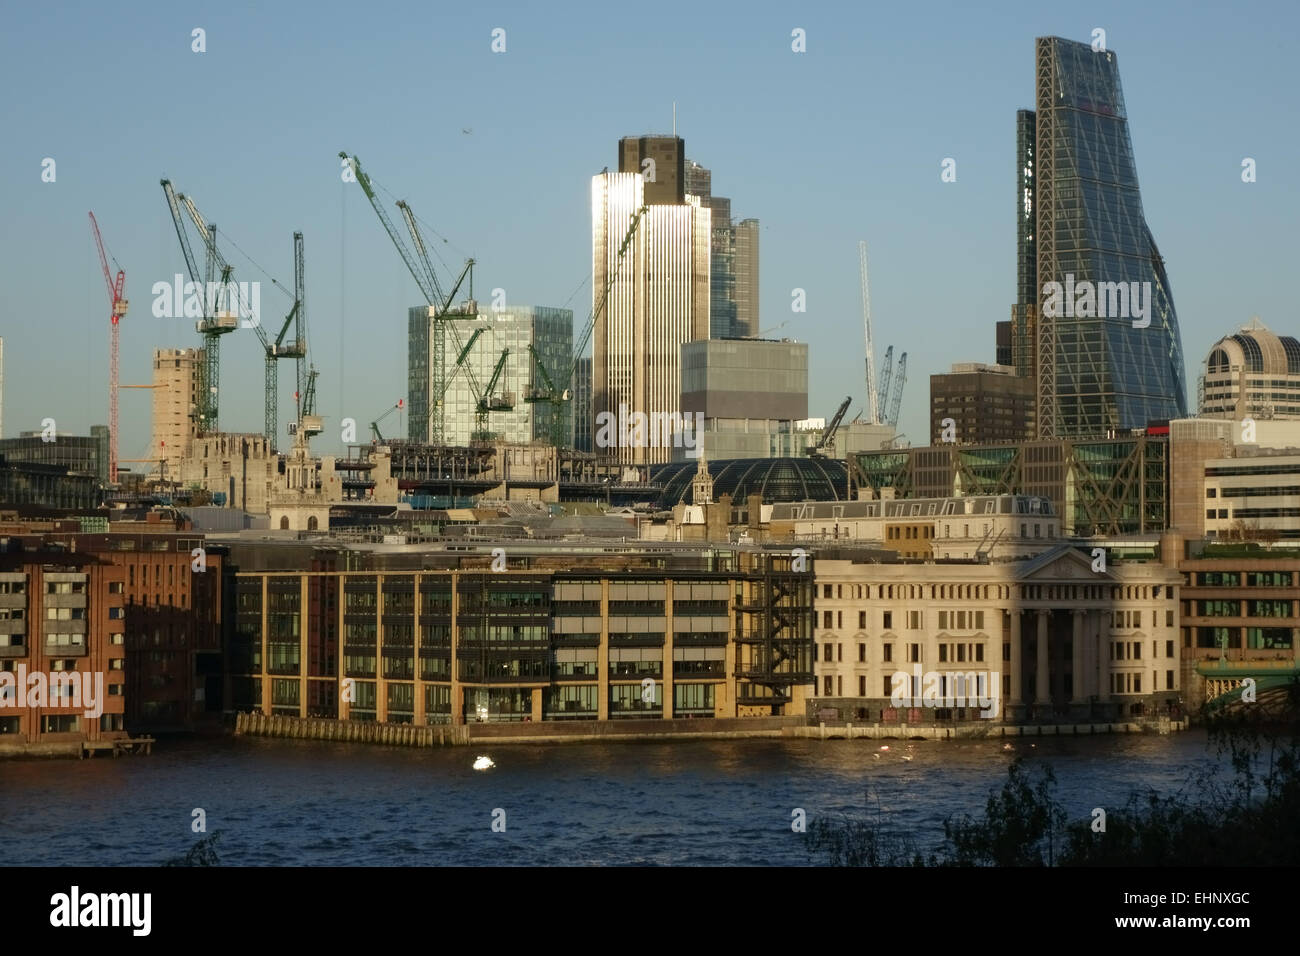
(1246, 817)
(202, 853)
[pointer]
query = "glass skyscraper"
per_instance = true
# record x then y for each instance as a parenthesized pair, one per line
(1094, 323)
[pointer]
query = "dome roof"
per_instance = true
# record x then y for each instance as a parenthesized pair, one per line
(1256, 349)
(776, 479)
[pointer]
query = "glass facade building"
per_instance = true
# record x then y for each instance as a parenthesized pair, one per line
(1095, 321)
(510, 329)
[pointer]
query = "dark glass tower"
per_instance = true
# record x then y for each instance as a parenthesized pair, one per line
(1095, 369)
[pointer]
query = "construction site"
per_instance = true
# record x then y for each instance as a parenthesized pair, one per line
(474, 433)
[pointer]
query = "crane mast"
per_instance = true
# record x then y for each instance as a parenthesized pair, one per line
(872, 401)
(117, 305)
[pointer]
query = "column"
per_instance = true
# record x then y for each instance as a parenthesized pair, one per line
(602, 654)
(668, 650)
(1016, 697)
(1043, 692)
(1076, 647)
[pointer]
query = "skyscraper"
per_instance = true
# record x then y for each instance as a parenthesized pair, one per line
(1095, 324)
(733, 261)
(659, 299)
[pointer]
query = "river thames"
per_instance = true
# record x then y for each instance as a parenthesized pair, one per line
(729, 802)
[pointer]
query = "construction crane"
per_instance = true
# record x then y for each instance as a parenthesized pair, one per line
(374, 426)
(440, 305)
(827, 437)
(117, 310)
(561, 392)
(308, 422)
(211, 324)
(872, 400)
(274, 351)
(488, 402)
(886, 374)
(484, 400)
(896, 400)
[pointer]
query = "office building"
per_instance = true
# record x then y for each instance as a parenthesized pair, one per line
(584, 428)
(660, 161)
(428, 636)
(744, 266)
(658, 300)
(750, 393)
(1252, 373)
(517, 332)
(1095, 320)
(986, 403)
(76, 454)
(733, 283)
(1117, 486)
(1233, 481)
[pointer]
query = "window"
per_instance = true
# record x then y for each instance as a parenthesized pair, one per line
(914, 620)
(913, 653)
(1211, 492)
(839, 652)
(889, 620)
(827, 618)
(862, 652)
(862, 686)
(1169, 680)
(827, 656)
(888, 653)
(826, 686)
(862, 620)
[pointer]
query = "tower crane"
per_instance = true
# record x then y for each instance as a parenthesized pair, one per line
(211, 324)
(896, 400)
(886, 374)
(872, 401)
(433, 422)
(827, 437)
(274, 351)
(117, 310)
(374, 426)
(561, 392)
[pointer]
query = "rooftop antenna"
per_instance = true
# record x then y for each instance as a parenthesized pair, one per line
(674, 119)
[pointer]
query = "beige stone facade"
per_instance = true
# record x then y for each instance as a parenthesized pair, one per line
(1059, 639)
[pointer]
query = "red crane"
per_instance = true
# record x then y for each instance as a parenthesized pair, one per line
(117, 302)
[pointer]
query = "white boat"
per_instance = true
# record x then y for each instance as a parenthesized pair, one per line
(483, 763)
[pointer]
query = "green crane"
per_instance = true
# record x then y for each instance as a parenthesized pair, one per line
(211, 324)
(374, 426)
(559, 395)
(274, 351)
(431, 421)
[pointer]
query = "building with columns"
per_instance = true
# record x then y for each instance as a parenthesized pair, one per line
(1057, 637)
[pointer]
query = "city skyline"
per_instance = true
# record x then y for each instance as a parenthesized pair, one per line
(1209, 221)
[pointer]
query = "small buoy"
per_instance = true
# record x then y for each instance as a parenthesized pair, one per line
(483, 763)
(884, 746)
(907, 756)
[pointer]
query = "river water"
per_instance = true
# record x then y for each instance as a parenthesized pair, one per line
(283, 802)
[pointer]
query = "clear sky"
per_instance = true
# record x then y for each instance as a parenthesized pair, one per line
(840, 143)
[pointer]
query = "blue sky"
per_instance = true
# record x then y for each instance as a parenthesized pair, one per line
(841, 143)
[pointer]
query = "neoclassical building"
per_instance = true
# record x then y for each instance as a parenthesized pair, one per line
(1058, 637)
